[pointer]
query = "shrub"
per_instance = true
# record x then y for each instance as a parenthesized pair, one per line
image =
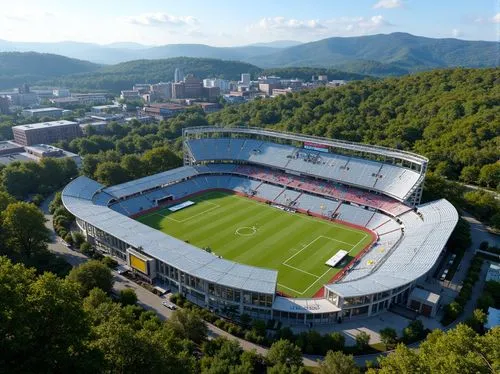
(414, 331)
(68, 239)
(128, 297)
(110, 262)
(389, 337)
(78, 239)
(451, 312)
(362, 340)
(86, 249)
(37, 199)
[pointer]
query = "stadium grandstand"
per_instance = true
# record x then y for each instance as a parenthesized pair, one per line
(372, 189)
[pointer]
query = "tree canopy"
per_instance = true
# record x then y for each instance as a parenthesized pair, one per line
(446, 115)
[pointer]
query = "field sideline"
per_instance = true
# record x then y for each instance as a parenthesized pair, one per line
(254, 233)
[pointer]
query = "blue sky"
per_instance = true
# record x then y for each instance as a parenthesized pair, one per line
(228, 23)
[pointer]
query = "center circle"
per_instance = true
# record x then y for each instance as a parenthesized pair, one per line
(246, 231)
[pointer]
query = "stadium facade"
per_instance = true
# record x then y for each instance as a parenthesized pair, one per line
(375, 188)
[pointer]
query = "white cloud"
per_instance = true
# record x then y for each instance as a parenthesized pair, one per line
(313, 28)
(388, 4)
(456, 33)
(496, 18)
(357, 25)
(162, 19)
(284, 24)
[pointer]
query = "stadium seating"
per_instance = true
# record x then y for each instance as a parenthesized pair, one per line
(390, 179)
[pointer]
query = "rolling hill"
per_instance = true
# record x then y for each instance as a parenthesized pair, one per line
(17, 67)
(398, 53)
(122, 76)
(382, 54)
(121, 52)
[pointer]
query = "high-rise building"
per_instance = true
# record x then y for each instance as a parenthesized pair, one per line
(193, 87)
(222, 84)
(161, 90)
(245, 79)
(4, 104)
(178, 90)
(178, 75)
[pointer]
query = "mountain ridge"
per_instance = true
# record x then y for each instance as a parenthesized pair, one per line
(397, 53)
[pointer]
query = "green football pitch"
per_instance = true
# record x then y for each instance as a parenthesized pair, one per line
(253, 233)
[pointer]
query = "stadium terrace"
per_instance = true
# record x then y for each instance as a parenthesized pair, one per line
(360, 203)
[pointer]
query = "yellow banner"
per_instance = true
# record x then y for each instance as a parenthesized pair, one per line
(138, 264)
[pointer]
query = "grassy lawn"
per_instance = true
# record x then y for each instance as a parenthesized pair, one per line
(253, 233)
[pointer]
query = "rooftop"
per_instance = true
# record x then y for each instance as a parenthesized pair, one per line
(304, 306)
(42, 125)
(109, 106)
(7, 145)
(8, 159)
(493, 273)
(42, 110)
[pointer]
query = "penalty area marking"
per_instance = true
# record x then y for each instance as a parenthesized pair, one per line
(215, 206)
(246, 231)
(318, 278)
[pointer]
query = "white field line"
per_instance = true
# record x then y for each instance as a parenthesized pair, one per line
(296, 253)
(312, 284)
(314, 219)
(316, 281)
(291, 289)
(215, 206)
(318, 278)
(302, 271)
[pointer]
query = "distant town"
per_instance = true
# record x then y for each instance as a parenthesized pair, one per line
(46, 111)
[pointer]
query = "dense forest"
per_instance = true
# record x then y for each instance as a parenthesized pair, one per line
(17, 67)
(399, 51)
(306, 73)
(450, 116)
(123, 76)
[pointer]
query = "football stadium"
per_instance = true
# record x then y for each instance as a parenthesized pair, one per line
(296, 228)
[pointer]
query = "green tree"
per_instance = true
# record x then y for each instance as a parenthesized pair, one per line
(477, 320)
(42, 309)
(414, 331)
(160, 159)
(110, 173)
(128, 296)
(362, 340)
(461, 350)
(5, 200)
(25, 227)
(95, 298)
(470, 174)
(283, 352)
(403, 360)
(389, 337)
(338, 363)
(489, 175)
(188, 324)
(92, 274)
(133, 166)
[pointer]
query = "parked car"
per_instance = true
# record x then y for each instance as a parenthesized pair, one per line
(169, 305)
(443, 276)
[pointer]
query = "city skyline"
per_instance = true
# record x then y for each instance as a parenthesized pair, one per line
(229, 24)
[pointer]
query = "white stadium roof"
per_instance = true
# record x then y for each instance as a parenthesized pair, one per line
(77, 198)
(359, 147)
(146, 183)
(411, 257)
